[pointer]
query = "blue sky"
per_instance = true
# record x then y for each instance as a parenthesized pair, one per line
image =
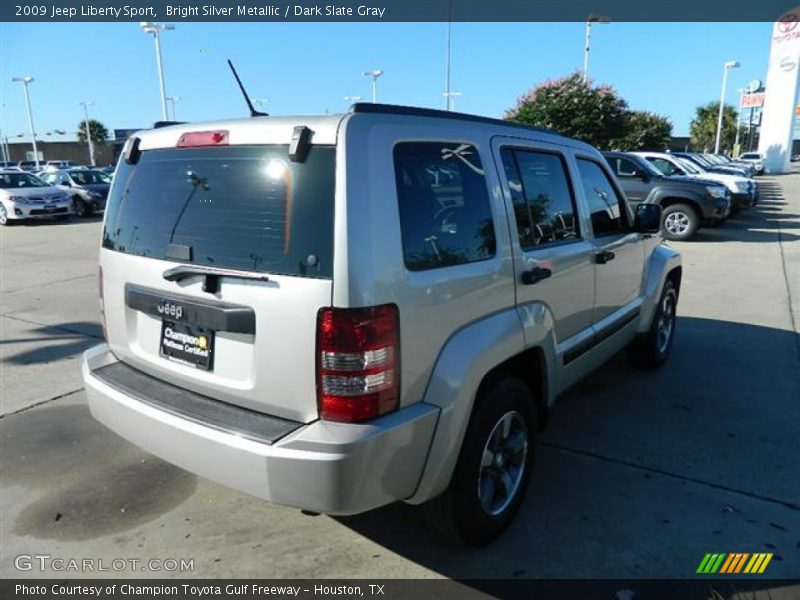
(305, 68)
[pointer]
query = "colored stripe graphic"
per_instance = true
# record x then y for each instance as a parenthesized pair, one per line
(734, 563)
(711, 563)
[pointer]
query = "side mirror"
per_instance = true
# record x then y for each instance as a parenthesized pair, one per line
(641, 174)
(648, 218)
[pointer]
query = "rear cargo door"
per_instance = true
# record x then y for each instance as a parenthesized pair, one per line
(215, 263)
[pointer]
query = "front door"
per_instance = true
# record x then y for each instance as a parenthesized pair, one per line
(618, 250)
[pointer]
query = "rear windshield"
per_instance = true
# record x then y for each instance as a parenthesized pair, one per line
(238, 207)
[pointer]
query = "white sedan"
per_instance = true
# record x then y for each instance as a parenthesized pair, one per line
(24, 196)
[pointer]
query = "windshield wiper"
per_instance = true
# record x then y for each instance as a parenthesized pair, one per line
(211, 274)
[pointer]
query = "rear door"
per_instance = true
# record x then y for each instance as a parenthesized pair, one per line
(215, 263)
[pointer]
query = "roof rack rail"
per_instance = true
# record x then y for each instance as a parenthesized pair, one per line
(160, 124)
(416, 111)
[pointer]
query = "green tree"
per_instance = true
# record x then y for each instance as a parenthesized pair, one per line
(97, 130)
(645, 131)
(595, 114)
(703, 127)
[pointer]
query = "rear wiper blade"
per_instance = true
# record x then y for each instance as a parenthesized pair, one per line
(211, 274)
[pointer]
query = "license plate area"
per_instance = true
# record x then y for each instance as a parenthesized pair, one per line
(188, 344)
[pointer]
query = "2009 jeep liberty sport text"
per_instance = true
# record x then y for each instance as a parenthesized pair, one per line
(335, 313)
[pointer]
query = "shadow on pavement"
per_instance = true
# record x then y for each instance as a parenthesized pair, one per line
(52, 343)
(692, 456)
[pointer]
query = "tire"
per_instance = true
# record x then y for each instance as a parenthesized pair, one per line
(650, 350)
(80, 208)
(4, 220)
(679, 222)
(498, 447)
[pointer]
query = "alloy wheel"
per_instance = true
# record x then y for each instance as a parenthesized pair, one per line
(503, 463)
(677, 223)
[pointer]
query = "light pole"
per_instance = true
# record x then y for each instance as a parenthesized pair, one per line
(25, 82)
(261, 102)
(590, 20)
(351, 99)
(5, 139)
(154, 29)
(731, 64)
(86, 104)
(447, 101)
(451, 96)
(174, 100)
(375, 73)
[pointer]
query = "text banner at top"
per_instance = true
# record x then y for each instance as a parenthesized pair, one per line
(395, 10)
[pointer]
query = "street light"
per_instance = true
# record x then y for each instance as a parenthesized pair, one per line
(590, 20)
(731, 64)
(25, 82)
(154, 29)
(5, 139)
(451, 96)
(174, 100)
(351, 99)
(374, 74)
(260, 102)
(86, 104)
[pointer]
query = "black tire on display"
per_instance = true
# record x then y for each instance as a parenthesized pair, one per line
(493, 468)
(679, 222)
(650, 350)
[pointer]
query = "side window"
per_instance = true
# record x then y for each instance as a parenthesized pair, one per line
(666, 167)
(625, 168)
(445, 215)
(605, 207)
(544, 206)
(49, 178)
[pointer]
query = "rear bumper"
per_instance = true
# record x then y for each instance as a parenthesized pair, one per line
(334, 468)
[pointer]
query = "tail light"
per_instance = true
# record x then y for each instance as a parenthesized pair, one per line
(358, 362)
(102, 301)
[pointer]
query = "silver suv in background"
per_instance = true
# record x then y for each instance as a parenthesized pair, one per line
(754, 158)
(339, 312)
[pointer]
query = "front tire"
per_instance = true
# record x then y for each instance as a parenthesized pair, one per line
(679, 222)
(650, 350)
(81, 208)
(493, 468)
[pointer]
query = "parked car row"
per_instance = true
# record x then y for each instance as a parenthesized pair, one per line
(52, 193)
(690, 191)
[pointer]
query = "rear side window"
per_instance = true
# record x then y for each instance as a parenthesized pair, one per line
(445, 215)
(544, 208)
(605, 207)
(239, 207)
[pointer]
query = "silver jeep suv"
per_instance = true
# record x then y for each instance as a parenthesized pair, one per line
(335, 313)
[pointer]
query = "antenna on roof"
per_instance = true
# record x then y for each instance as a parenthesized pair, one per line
(253, 111)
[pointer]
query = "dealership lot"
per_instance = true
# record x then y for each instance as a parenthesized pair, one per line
(638, 474)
